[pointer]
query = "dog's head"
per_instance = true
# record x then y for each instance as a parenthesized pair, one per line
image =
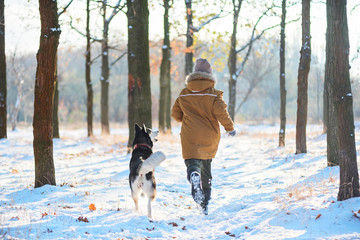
(144, 136)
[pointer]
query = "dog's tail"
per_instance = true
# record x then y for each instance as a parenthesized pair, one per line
(152, 162)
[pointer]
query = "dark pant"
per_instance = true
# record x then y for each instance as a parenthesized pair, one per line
(201, 166)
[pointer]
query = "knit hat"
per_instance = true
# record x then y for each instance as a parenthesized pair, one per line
(202, 65)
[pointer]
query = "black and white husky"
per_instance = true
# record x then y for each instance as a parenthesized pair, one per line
(142, 165)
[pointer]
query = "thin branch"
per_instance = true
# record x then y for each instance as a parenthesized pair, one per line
(64, 10)
(197, 29)
(116, 60)
(91, 61)
(116, 10)
(251, 41)
(353, 9)
(83, 34)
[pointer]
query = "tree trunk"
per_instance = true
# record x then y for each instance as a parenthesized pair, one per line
(104, 79)
(3, 91)
(139, 91)
(325, 107)
(165, 78)
(232, 61)
(330, 124)
(340, 96)
(14, 112)
(88, 73)
(189, 51)
(44, 94)
(303, 73)
(55, 118)
(282, 78)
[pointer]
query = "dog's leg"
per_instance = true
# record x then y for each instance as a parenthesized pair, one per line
(135, 197)
(150, 199)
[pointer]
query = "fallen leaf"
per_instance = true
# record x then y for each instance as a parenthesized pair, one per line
(44, 214)
(230, 234)
(174, 224)
(318, 216)
(14, 171)
(92, 207)
(183, 219)
(183, 228)
(83, 219)
(246, 227)
(14, 218)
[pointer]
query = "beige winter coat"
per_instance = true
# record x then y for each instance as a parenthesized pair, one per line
(200, 108)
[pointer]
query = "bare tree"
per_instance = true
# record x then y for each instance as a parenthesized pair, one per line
(165, 76)
(56, 133)
(189, 51)
(234, 70)
(303, 73)
(282, 77)
(3, 91)
(260, 66)
(105, 66)
(89, 102)
(232, 61)
(44, 91)
(340, 97)
(139, 91)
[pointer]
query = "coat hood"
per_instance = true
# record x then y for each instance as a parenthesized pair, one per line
(199, 81)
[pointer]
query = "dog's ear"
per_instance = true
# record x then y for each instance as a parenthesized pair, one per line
(144, 128)
(137, 128)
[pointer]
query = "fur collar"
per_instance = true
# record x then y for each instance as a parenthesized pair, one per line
(200, 75)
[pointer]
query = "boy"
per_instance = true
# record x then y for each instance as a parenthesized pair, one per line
(200, 107)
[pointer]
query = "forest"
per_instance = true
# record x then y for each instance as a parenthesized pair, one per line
(77, 75)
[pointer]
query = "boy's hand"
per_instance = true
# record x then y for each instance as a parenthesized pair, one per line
(232, 133)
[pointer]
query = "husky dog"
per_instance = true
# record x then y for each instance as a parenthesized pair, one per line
(142, 165)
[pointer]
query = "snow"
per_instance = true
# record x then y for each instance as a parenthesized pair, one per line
(260, 191)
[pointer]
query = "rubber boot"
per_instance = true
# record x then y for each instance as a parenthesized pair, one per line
(205, 203)
(196, 188)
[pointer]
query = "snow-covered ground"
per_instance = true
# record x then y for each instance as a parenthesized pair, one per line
(260, 191)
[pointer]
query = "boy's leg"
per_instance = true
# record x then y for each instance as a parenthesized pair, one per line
(192, 165)
(206, 179)
(206, 176)
(194, 177)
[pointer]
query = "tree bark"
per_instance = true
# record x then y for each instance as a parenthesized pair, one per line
(232, 60)
(3, 91)
(139, 91)
(282, 78)
(340, 96)
(165, 77)
(303, 73)
(330, 124)
(88, 83)
(104, 79)
(44, 94)
(189, 51)
(55, 119)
